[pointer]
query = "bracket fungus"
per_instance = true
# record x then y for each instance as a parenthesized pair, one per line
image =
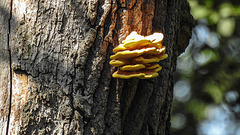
(138, 56)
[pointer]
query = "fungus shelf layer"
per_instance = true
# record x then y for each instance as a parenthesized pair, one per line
(138, 56)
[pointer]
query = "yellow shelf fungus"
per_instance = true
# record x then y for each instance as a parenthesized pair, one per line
(132, 67)
(153, 66)
(116, 63)
(140, 74)
(131, 54)
(137, 56)
(132, 45)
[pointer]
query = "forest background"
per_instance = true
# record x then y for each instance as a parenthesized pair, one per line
(207, 88)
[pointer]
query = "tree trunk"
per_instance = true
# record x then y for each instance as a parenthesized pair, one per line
(55, 72)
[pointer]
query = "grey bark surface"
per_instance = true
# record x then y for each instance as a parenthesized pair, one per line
(55, 76)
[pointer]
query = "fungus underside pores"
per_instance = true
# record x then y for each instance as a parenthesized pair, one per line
(138, 56)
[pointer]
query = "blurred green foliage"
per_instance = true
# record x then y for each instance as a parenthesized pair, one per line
(207, 88)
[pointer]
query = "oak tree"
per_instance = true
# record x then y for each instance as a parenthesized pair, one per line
(55, 73)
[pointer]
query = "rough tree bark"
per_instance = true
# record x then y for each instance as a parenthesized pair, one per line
(54, 71)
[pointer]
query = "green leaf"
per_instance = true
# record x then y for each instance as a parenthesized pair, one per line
(226, 27)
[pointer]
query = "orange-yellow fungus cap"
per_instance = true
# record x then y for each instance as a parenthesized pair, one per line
(162, 57)
(152, 66)
(146, 60)
(155, 37)
(132, 67)
(131, 45)
(131, 54)
(132, 36)
(116, 63)
(148, 76)
(143, 73)
(153, 58)
(159, 51)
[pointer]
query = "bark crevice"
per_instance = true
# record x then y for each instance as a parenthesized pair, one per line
(10, 66)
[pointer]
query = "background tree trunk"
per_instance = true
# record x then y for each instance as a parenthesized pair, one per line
(55, 76)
